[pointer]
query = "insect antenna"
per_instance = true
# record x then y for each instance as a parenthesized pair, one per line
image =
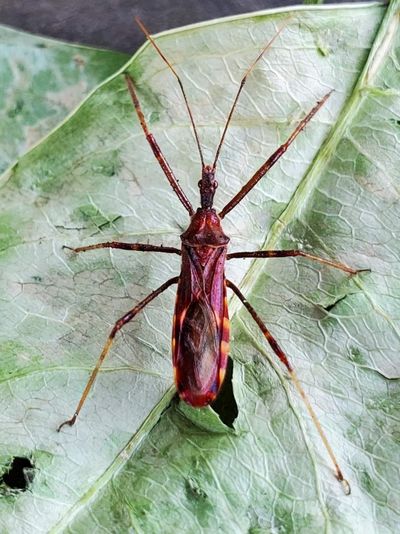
(152, 41)
(242, 83)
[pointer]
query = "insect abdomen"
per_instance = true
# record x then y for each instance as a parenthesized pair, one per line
(200, 339)
(197, 367)
(201, 354)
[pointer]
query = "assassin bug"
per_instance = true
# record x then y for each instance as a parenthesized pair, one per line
(200, 336)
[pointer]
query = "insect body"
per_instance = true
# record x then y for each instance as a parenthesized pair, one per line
(200, 337)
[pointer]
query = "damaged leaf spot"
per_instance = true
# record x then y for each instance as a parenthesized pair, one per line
(90, 214)
(356, 355)
(79, 60)
(17, 109)
(331, 306)
(193, 489)
(108, 166)
(19, 475)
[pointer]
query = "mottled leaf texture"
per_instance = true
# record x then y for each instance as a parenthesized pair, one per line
(41, 81)
(134, 462)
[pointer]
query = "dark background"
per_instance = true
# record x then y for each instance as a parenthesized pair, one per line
(109, 23)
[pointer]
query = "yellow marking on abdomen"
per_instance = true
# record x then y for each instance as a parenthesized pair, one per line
(182, 317)
(224, 347)
(221, 375)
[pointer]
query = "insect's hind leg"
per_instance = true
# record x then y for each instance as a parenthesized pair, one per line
(283, 358)
(291, 253)
(118, 325)
(141, 247)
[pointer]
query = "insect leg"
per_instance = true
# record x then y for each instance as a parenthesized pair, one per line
(157, 150)
(283, 358)
(287, 253)
(143, 247)
(272, 159)
(118, 325)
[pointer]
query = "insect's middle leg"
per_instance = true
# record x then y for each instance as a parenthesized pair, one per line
(143, 247)
(288, 253)
(283, 358)
(118, 325)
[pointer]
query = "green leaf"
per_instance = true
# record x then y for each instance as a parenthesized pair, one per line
(131, 463)
(42, 80)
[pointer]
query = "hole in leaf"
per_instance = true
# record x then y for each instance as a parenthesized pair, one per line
(225, 404)
(20, 474)
(331, 306)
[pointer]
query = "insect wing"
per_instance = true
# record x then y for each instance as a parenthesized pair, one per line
(199, 342)
(198, 360)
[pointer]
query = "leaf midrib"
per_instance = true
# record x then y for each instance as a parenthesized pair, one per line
(118, 463)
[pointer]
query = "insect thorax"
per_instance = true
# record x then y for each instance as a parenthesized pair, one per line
(205, 230)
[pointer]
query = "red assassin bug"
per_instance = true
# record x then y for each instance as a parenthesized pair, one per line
(200, 337)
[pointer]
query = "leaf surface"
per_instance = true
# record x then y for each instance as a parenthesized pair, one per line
(122, 467)
(42, 80)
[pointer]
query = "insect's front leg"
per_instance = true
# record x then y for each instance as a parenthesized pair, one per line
(288, 253)
(142, 247)
(273, 158)
(157, 150)
(118, 325)
(284, 359)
